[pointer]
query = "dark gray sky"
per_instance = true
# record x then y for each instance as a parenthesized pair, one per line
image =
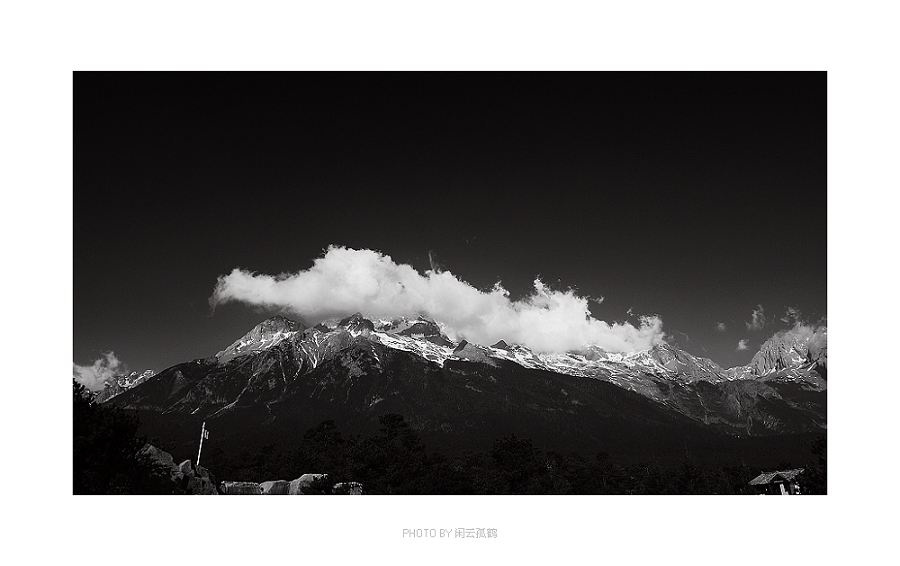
(697, 197)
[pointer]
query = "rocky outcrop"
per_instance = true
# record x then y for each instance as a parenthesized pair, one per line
(190, 479)
(304, 484)
(241, 488)
(277, 487)
(198, 481)
(159, 456)
(427, 330)
(307, 484)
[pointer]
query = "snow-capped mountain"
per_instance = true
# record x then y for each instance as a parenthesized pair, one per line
(357, 368)
(637, 371)
(120, 383)
(798, 355)
(262, 337)
(790, 349)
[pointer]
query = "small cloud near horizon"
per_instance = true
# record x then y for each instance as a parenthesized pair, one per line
(720, 327)
(95, 375)
(791, 316)
(758, 321)
(742, 345)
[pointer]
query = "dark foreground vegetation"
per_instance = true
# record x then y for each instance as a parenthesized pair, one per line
(107, 456)
(395, 461)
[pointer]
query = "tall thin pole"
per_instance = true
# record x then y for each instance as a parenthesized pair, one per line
(203, 434)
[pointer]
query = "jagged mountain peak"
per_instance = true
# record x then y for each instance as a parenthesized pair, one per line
(277, 323)
(427, 329)
(261, 337)
(356, 322)
(798, 346)
(118, 384)
(422, 326)
(355, 317)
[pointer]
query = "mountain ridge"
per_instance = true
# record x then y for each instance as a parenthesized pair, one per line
(263, 336)
(121, 383)
(357, 369)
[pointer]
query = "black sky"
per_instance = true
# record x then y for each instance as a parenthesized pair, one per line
(694, 196)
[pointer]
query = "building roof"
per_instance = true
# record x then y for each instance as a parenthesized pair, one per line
(768, 477)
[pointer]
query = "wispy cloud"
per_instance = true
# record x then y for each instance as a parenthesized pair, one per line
(345, 280)
(742, 345)
(95, 375)
(758, 320)
(433, 262)
(720, 327)
(792, 316)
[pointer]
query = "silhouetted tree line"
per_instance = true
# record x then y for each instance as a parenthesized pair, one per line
(108, 460)
(107, 455)
(815, 481)
(395, 461)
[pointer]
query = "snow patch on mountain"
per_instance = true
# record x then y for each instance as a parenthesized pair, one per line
(429, 351)
(801, 345)
(263, 336)
(118, 384)
(650, 372)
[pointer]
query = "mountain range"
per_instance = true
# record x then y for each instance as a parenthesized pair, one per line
(121, 383)
(282, 378)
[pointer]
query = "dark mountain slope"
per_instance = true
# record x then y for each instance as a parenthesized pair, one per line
(286, 379)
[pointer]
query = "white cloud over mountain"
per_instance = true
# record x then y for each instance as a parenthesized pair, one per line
(345, 280)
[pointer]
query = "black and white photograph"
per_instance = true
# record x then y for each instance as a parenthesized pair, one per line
(450, 283)
(535, 282)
